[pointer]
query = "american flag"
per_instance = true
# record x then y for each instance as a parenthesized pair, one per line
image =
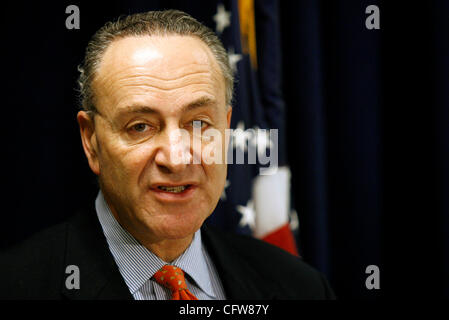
(254, 203)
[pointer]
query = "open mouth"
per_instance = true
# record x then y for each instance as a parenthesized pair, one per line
(177, 189)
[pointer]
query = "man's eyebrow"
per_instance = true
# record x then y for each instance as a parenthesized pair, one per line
(201, 102)
(137, 109)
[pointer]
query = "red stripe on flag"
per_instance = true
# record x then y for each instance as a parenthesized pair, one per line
(283, 238)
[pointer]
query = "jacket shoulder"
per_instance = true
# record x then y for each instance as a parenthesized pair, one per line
(31, 266)
(294, 278)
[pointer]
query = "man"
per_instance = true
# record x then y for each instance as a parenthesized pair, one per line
(146, 80)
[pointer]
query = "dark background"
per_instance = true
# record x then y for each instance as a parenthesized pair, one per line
(367, 120)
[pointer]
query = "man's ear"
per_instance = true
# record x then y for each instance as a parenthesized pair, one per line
(228, 116)
(227, 135)
(89, 140)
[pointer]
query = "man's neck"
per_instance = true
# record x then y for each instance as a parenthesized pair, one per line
(166, 249)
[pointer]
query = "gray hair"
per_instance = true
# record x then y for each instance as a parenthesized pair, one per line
(161, 23)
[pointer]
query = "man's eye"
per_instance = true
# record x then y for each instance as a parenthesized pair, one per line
(199, 124)
(140, 127)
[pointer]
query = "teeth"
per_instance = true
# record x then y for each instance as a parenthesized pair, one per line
(173, 189)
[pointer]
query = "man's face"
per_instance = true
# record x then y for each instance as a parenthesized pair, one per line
(147, 88)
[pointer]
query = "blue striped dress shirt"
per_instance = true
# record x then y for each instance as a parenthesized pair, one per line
(137, 264)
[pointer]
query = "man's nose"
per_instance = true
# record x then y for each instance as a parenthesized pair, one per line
(173, 153)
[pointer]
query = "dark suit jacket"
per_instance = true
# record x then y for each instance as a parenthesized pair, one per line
(248, 268)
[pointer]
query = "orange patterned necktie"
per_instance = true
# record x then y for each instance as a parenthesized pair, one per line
(173, 278)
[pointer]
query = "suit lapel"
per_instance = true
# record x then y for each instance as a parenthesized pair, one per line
(88, 250)
(100, 278)
(241, 280)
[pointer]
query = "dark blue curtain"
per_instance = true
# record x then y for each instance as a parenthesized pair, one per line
(368, 115)
(333, 93)
(367, 132)
(440, 48)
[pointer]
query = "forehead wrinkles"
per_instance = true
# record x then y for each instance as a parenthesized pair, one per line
(139, 78)
(148, 90)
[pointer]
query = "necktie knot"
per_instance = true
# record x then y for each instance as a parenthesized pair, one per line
(173, 278)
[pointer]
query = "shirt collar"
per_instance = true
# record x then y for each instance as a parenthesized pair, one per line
(137, 264)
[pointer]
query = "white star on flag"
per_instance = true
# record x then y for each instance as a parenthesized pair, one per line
(223, 194)
(222, 18)
(294, 221)
(234, 58)
(248, 215)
